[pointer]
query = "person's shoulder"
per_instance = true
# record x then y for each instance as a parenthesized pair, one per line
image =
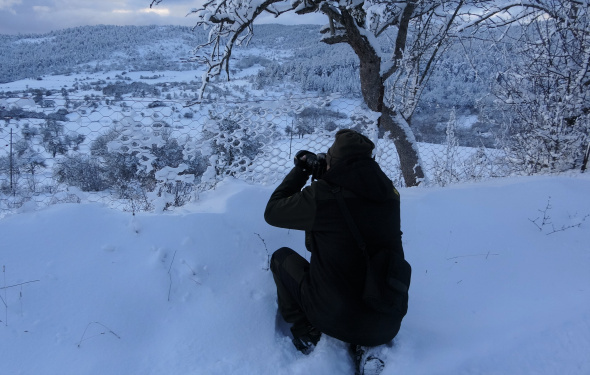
(322, 189)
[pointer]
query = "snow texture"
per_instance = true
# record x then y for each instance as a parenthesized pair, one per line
(88, 290)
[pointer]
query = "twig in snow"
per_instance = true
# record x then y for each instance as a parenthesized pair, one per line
(3, 301)
(566, 227)
(267, 253)
(102, 333)
(170, 275)
(19, 284)
(5, 298)
(191, 268)
(20, 300)
(546, 220)
(473, 255)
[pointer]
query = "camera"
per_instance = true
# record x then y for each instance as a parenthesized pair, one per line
(313, 164)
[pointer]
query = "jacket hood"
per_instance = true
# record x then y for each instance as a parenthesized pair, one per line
(362, 176)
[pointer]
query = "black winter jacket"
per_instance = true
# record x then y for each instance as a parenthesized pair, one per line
(332, 289)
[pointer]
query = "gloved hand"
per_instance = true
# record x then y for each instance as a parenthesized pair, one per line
(301, 161)
(310, 163)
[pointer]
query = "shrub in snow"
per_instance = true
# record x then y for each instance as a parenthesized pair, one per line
(233, 139)
(56, 141)
(81, 171)
(156, 104)
(311, 119)
(445, 168)
(142, 164)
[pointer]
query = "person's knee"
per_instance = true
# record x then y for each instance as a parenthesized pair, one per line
(278, 257)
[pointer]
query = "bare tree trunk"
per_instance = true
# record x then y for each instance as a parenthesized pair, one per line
(373, 90)
(405, 144)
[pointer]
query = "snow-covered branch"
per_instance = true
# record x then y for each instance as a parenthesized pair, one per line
(502, 15)
(229, 23)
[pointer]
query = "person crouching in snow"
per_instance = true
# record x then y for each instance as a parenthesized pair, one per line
(355, 286)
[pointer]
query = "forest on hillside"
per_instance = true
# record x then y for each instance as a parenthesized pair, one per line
(495, 102)
(285, 53)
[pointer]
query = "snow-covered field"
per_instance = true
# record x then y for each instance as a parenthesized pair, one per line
(89, 290)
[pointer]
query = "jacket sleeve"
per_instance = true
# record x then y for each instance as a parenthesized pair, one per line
(289, 206)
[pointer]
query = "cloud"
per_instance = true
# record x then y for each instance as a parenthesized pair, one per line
(41, 9)
(290, 18)
(158, 11)
(8, 4)
(41, 16)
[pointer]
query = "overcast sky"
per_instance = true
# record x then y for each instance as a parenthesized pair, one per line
(40, 16)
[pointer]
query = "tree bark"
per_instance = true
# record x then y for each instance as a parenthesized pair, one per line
(373, 90)
(405, 144)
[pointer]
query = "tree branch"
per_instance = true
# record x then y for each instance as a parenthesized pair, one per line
(440, 42)
(506, 7)
(228, 25)
(401, 39)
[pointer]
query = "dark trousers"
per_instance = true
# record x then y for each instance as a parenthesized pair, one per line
(289, 270)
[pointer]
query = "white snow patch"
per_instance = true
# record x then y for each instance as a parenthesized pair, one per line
(88, 290)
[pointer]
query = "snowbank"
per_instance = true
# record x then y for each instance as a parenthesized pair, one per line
(189, 292)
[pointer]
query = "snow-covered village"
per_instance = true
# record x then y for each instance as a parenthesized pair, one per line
(193, 187)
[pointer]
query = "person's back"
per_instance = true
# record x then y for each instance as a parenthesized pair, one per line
(327, 294)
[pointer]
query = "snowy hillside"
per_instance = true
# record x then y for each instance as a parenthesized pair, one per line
(88, 290)
(283, 55)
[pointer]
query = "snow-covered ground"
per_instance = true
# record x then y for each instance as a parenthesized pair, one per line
(90, 290)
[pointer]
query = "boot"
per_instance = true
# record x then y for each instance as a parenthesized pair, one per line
(306, 341)
(366, 361)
